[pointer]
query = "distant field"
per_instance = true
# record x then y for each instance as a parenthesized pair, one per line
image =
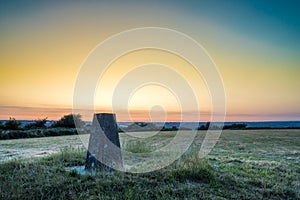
(247, 164)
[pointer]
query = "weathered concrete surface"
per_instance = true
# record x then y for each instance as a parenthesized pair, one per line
(104, 145)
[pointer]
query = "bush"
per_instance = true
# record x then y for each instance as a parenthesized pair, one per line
(236, 126)
(12, 124)
(68, 121)
(34, 133)
(173, 128)
(206, 127)
(40, 123)
(239, 126)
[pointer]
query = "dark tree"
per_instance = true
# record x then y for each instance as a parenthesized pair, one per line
(12, 124)
(40, 123)
(68, 121)
(207, 125)
(202, 127)
(239, 126)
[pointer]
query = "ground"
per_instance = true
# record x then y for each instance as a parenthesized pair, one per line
(245, 164)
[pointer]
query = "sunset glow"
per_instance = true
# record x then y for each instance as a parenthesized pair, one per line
(255, 46)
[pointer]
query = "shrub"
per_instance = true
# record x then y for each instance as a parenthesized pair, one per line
(69, 121)
(173, 128)
(239, 126)
(33, 133)
(236, 126)
(40, 123)
(206, 127)
(12, 124)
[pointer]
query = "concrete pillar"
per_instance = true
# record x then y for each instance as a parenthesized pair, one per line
(104, 150)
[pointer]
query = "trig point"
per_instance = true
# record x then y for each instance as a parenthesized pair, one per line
(104, 145)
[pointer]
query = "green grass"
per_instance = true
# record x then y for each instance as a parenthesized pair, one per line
(137, 147)
(245, 164)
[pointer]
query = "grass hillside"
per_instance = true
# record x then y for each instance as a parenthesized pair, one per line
(256, 164)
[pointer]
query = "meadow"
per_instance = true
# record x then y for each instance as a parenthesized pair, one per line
(245, 164)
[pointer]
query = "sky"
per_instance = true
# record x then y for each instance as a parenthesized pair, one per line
(254, 43)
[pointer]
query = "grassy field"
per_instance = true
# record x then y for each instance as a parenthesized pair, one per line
(245, 164)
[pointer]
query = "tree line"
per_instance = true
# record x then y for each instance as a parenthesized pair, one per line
(13, 129)
(67, 121)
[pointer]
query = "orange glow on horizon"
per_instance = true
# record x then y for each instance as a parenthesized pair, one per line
(42, 50)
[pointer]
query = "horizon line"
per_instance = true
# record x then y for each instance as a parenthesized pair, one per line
(296, 120)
